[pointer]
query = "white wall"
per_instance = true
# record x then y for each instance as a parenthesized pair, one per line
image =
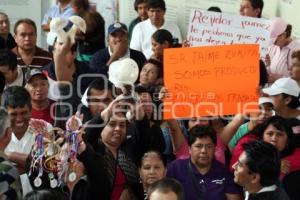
(33, 9)
(46, 4)
(289, 10)
(17, 9)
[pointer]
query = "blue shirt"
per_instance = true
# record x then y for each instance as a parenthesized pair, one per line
(54, 11)
(213, 185)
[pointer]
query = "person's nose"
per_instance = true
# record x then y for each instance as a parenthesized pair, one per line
(234, 166)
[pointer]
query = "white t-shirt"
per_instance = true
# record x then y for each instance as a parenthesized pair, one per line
(142, 32)
(23, 145)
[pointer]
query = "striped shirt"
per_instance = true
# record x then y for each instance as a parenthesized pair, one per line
(281, 58)
(39, 59)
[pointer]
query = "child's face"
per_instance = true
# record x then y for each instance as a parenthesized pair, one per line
(265, 112)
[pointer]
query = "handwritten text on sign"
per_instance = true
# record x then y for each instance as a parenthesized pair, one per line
(211, 81)
(213, 28)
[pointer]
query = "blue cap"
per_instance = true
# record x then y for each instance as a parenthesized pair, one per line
(117, 26)
(34, 72)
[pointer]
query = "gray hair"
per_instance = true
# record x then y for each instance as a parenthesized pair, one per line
(4, 121)
(3, 14)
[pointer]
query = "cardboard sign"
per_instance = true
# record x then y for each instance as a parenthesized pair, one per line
(211, 81)
(213, 28)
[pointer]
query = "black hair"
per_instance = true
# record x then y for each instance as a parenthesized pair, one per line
(294, 103)
(25, 21)
(140, 89)
(288, 30)
(4, 14)
(257, 4)
(8, 58)
(153, 91)
(45, 194)
(144, 89)
(162, 35)
(157, 4)
(214, 8)
(137, 2)
(202, 132)
(167, 185)
(16, 96)
(281, 124)
(186, 122)
(263, 158)
(94, 129)
(159, 67)
(100, 84)
(263, 74)
(2, 83)
(81, 4)
(159, 155)
(296, 54)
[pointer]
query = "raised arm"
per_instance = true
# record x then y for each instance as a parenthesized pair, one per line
(230, 129)
(64, 61)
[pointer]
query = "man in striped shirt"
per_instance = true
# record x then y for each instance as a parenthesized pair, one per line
(29, 55)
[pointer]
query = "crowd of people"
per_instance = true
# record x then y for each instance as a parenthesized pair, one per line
(72, 128)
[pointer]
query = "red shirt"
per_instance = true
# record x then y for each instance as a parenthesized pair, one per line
(118, 185)
(44, 114)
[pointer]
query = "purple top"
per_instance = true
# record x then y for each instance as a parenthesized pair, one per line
(213, 185)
